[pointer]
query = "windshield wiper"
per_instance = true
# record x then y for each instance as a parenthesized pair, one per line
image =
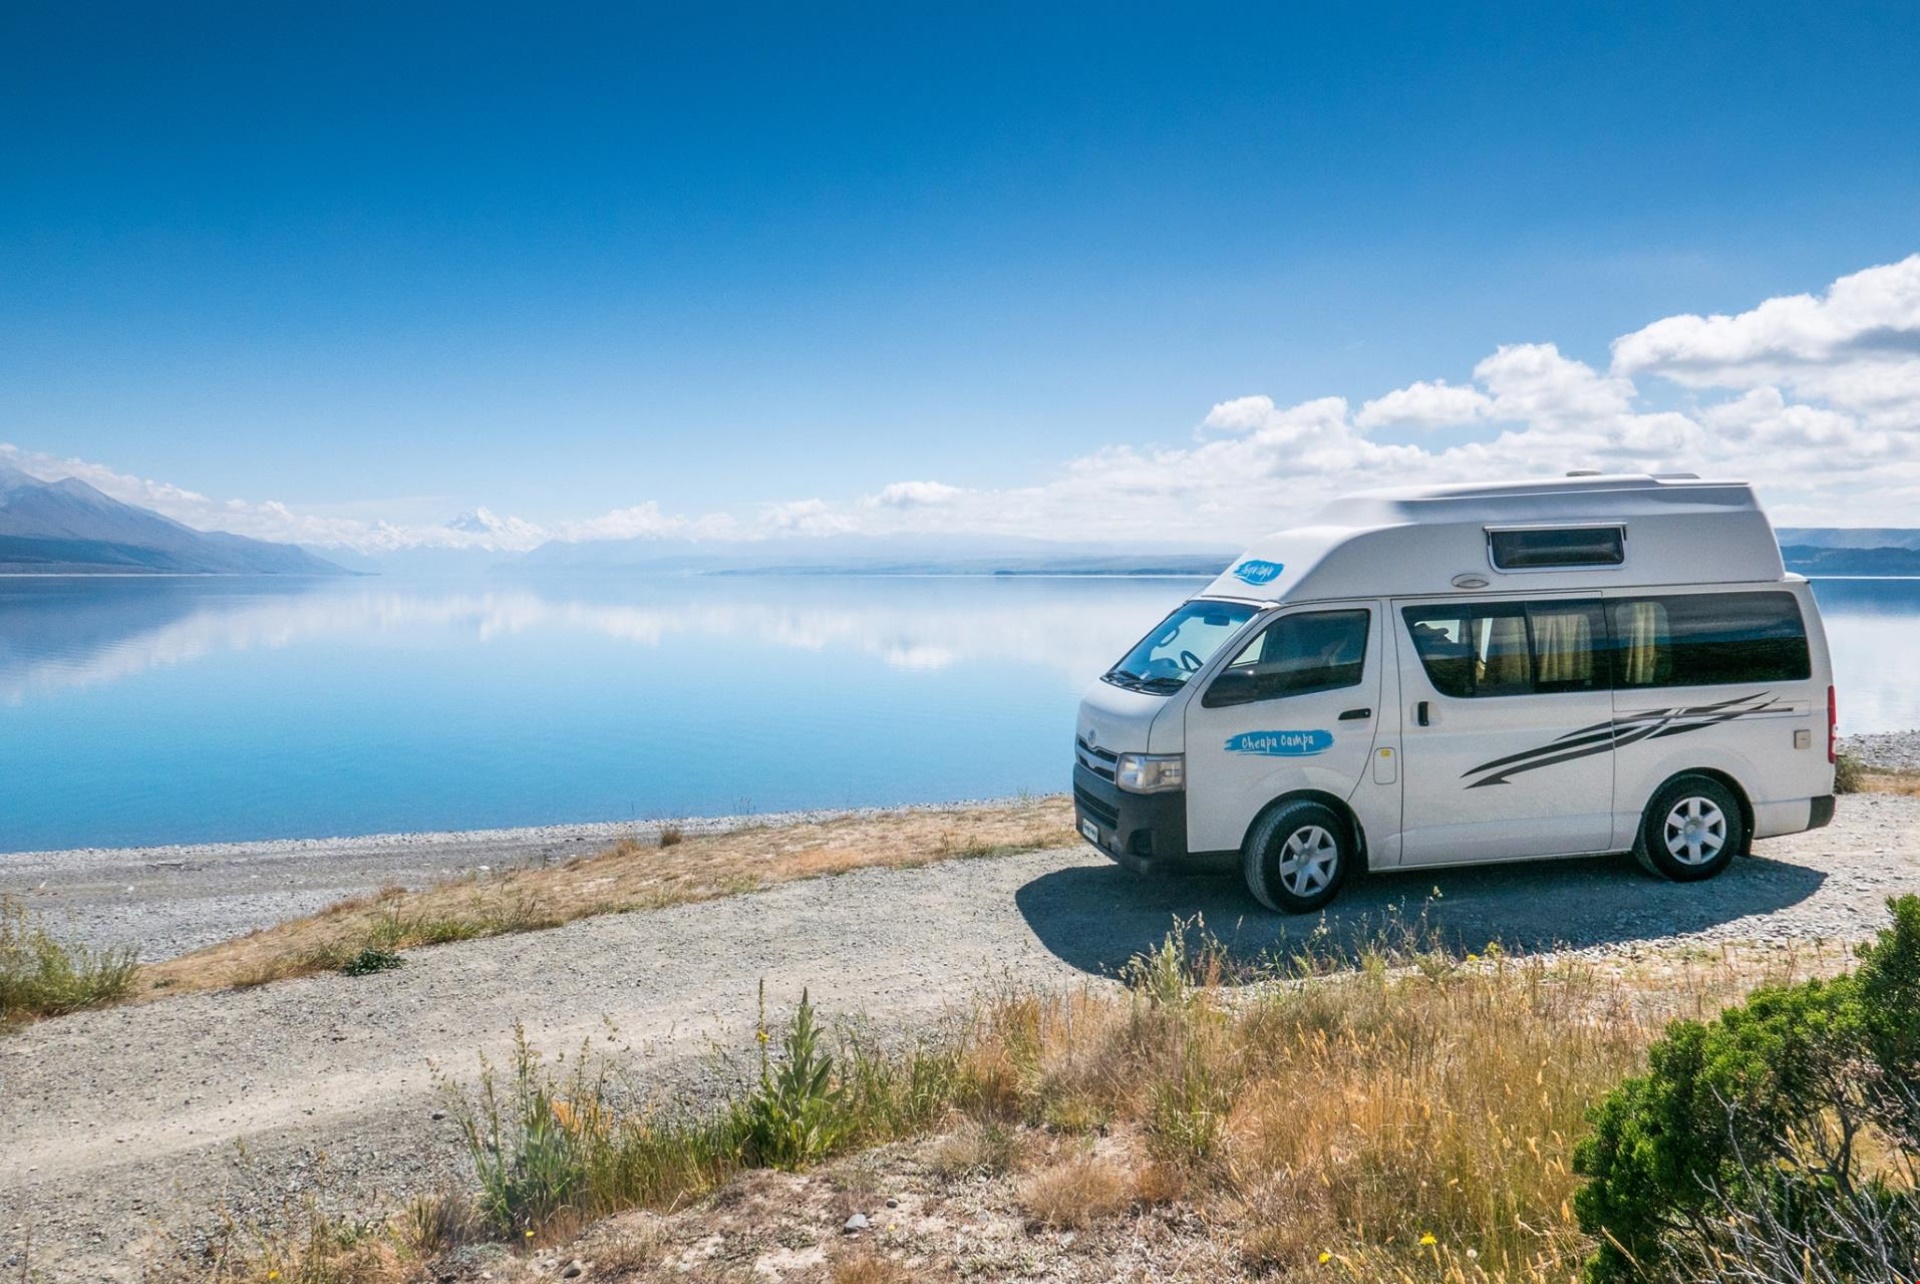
(1136, 682)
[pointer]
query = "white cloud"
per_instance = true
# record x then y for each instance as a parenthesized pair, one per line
(1425, 405)
(1857, 347)
(807, 517)
(1533, 384)
(643, 521)
(915, 494)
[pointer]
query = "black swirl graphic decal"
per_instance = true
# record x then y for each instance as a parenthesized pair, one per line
(1604, 737)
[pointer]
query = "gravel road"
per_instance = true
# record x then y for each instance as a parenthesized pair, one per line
(121, 1124)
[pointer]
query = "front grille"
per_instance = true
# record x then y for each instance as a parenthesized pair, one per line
(1099, 811)
(1099, 761)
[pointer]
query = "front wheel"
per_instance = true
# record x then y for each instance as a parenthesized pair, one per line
(1691, 830)
(1297, 857)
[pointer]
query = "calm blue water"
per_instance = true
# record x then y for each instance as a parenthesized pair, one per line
(167, 711)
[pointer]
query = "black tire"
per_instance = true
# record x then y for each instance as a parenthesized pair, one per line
(1297, 857)
(1691, 830)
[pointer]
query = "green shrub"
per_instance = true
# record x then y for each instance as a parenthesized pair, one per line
(371, 960)
(41, 975)
(1779, 1114)
(1849, 774)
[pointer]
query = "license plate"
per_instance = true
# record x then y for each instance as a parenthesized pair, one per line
(1090, 832)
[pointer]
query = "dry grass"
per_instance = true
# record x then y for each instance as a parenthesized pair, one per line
(1905, 784)
(1414, 1119)
(991, 1148)
(1077, 1193)
(865, 1268)
(627, 876)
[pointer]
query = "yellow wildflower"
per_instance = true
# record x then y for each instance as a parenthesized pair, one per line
(1325, 1257)
(1427, 1240)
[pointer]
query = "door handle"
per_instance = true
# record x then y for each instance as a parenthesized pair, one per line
(1423, 713)
(1355, 715)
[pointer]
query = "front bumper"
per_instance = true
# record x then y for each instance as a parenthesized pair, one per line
(1143, 832)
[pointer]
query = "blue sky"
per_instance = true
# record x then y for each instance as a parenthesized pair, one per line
(389, 261)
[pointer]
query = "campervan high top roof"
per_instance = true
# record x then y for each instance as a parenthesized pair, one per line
(1438, 539)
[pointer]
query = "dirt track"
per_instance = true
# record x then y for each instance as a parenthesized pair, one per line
(118, 1122)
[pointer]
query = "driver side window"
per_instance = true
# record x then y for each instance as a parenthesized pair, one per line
(1296, 655)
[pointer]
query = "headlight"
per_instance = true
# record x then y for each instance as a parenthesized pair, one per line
(1151, 773)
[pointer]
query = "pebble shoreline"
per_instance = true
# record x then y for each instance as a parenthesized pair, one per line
(1885, 750)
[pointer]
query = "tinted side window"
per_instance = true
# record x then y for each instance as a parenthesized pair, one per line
(1295, 655)
(1576, 546)
(1709, 639)
(1442, 637)
(1511, 648)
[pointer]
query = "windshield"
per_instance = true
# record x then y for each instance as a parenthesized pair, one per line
(1180, 647)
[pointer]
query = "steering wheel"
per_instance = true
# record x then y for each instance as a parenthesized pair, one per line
(1190, 662)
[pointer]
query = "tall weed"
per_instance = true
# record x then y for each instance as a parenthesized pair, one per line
(796, 1114)
(529, 1140)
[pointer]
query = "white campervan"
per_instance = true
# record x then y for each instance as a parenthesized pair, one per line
(1464, 674)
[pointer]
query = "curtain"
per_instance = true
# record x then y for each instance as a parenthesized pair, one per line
(1563, 647)
(1640, 627)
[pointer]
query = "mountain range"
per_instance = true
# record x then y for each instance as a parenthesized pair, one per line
(67, 527)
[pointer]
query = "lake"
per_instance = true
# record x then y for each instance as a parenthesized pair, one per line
(141, 711)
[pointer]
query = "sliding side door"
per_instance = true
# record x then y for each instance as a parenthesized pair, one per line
(1507, 741)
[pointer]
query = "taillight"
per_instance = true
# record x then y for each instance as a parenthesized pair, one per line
(1833, 723)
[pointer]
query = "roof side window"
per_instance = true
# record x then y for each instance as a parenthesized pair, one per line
(1567, 546)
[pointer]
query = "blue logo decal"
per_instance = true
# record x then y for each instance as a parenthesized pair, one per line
(1255, 571)
(1281, 744)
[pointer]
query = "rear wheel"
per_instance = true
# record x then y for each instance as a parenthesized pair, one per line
(1297, 857)
(1691, 830)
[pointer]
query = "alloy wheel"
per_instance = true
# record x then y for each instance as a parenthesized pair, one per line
(1695, 830)
(1308, 860)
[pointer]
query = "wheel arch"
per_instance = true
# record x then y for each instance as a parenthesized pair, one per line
(1332, 802)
